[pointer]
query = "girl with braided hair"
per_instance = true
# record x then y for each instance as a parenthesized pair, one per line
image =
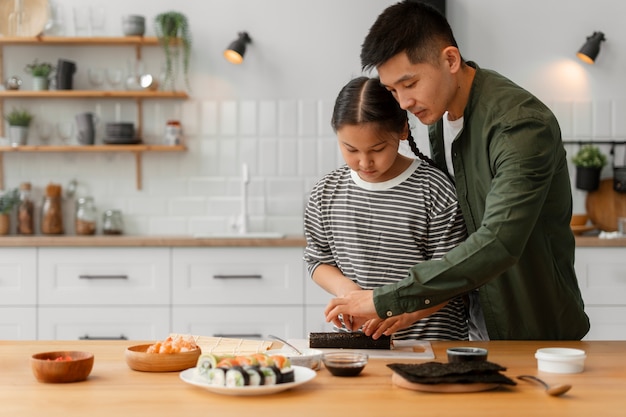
(369, 221)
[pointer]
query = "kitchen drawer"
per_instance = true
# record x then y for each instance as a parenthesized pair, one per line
(18, 276)
(601, 275)
(607, 322)
(256, 322)
(104, 276)
(242, 276)
(132, 323)
(18, 323)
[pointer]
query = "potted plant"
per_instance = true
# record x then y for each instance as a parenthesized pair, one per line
(41, 74)
(589, 162)
(172, 29)
(8, 200)
(19, 121)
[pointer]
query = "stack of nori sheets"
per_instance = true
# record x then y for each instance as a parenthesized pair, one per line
(452, 373)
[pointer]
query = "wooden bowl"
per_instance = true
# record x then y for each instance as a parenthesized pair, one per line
(138, 360)
(579, 220)
(62, 366)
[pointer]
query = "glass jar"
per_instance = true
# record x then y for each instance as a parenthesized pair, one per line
(52, 211)
(85, 216)
(112, 223)
(25, 211)
(173, 133)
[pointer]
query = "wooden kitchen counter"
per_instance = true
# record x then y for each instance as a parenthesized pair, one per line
(115, 390)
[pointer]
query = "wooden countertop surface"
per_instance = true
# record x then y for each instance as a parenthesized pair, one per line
(188, 241)
(113, 389)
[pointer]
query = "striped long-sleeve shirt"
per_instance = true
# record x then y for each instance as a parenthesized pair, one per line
(374, 232)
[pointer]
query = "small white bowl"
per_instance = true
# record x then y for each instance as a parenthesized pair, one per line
(560, 360)
(310, 358)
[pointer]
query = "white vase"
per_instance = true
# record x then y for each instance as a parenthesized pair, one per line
(40, 83)
(18, 135)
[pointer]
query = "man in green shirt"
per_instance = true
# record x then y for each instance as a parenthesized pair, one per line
(503, 149)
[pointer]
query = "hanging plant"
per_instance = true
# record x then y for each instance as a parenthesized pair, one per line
(172, 29)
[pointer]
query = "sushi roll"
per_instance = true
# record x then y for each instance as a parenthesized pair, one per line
(256, 377)
(271, 375)
(217, 376)
(237, 377)
(206, 362)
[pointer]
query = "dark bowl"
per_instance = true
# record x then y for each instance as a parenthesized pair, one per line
(466, 354)
(344, 363)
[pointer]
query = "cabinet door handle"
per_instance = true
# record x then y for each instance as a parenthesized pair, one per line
(239, 335)
(87, 337)
(103, 276)
(251, 276)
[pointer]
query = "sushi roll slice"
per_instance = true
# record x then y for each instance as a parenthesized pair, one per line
(287, 375)
(217, 376)
(205, 362)
(271, 375)
(237, 377)
(256, 376)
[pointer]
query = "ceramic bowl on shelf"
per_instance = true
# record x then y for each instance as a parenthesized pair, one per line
(133, 25)
(139, 360)
(347, 363)
(62, 366)
(579, 220)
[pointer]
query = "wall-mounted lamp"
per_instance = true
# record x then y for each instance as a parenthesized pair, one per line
(591, 48)
(235, 51)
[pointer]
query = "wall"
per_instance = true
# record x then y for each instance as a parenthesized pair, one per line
(273, 111)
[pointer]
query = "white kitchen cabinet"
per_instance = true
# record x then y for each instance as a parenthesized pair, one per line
(104, 323)
(104, 276)
(18, 293)
(245, 291)
(18, 323)
(104, 293)
(315, 301)
(239, 321)
(601, 275)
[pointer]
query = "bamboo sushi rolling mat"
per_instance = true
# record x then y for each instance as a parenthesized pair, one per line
(231, 346)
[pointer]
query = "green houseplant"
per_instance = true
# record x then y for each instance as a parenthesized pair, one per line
(19, 122)
(172, 29)
(8, 200)
(589, 161)
(41, 74)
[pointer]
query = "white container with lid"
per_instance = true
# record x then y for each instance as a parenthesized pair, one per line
(560, 360)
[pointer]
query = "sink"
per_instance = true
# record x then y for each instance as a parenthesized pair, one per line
(251, 235)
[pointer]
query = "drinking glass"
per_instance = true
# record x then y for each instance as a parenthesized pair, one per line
(65, 130)
(114, 77)
(96, 77)
(81, 21)
(44, 131)
(97, 20)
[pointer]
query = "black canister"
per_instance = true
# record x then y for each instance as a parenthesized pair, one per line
(65, 74)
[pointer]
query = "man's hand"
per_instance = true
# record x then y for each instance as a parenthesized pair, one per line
(356, 308)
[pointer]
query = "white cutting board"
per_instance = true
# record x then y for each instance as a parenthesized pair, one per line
(402, 349)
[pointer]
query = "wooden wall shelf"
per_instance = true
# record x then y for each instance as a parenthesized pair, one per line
(137, 150)
(139, 96)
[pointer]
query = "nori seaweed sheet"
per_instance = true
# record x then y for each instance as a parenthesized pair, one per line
(452, 373)
(354, 340)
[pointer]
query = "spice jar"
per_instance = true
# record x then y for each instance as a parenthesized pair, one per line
(85, 216)
(25, 211)
(52, 211)
(112, 223)
(173, 133)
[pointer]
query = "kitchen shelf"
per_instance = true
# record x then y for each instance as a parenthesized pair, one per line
(137, 150)
(139, 96)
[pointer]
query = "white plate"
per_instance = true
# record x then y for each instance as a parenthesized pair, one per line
(302, 375)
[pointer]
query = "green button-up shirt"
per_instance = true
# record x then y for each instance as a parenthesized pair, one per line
(513, 186)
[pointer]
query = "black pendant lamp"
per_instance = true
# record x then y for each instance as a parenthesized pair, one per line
(591, 48)
(235, 51)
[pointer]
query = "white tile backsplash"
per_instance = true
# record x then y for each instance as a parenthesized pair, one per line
(288, 145)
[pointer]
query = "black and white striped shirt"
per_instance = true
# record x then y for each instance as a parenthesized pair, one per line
(374, 232)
